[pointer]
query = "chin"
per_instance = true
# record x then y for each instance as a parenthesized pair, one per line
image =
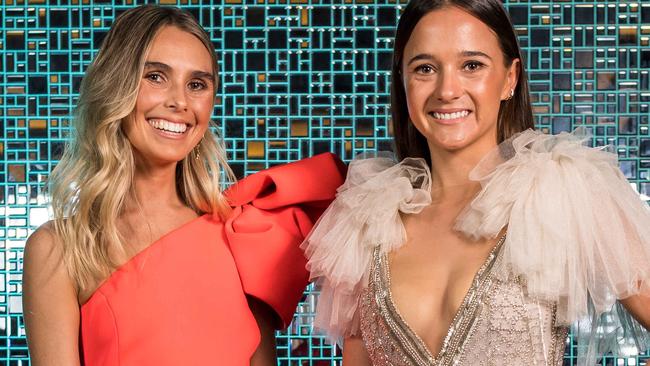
(452, 139)
(451, 146)
(455, 146)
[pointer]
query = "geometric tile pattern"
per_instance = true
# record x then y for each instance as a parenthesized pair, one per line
(299, 77)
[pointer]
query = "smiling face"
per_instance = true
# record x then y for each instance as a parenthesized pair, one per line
(455, 77)
(175, 99)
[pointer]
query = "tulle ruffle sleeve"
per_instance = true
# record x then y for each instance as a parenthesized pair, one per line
(273, 211)
(578, 234)
(365, 215)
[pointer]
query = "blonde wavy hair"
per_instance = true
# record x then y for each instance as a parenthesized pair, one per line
(93, 180)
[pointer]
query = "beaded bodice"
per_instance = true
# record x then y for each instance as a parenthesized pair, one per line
(496, 324)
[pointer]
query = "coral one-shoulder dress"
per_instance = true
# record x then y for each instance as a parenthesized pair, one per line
(182, 300)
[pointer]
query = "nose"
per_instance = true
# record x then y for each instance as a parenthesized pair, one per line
(449, 86)
(176, 98)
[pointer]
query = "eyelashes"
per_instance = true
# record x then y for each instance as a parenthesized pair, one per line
(197, 85)
(154, 76)
(473, 65)
(424, 69)
(429, 69)
(158, 78)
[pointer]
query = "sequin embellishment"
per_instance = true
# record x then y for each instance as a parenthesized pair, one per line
(495, 322)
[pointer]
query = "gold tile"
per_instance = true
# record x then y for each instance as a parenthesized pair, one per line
(255, 150)
(299, 128)
(15, 90)
(16, 112)
(540, 109)
(37, 124)
(304, 17)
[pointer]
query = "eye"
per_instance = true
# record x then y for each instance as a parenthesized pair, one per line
(154, 77)
(197, 85)
(473, 65)
(424, 69)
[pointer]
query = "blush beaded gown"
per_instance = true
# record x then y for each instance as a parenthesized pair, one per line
(578, 239)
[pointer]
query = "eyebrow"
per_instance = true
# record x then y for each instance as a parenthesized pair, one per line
(474, 54)
(426, 56)
(164, 67)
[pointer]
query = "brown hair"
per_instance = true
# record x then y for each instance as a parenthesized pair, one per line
(515, 114)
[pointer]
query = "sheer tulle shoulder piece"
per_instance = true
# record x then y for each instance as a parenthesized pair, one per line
(364, 215)
(273, 211)
(578, 234)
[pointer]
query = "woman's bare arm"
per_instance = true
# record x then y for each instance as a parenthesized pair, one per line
(354, 353)
(639, 307)
(50, 305)
(265, 353)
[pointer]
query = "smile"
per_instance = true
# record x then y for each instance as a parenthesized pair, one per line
(449, 116)
(167, 126)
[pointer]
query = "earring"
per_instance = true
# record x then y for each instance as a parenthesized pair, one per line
(512, 94)
(197, 150)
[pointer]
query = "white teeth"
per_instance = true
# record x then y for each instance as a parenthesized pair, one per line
(168, 126)
(450, 115)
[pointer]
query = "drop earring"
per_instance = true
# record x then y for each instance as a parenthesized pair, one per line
(197, 150)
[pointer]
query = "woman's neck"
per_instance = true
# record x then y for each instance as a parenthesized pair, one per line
(154, 189)
(450, 172)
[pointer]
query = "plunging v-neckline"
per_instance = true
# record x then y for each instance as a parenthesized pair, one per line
(463, 318)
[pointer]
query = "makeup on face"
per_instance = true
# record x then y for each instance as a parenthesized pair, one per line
(175, 98)
(455, 78)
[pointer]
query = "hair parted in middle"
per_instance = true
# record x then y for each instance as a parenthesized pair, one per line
(515, 114)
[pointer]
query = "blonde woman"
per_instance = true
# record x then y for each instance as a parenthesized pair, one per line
(147, 262)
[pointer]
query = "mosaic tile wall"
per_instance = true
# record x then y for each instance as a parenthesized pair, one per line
(301, 77)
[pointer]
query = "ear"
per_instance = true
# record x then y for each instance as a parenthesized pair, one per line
(512, 76)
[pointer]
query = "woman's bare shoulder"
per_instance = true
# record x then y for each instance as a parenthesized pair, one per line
(44, 233)
(42, 248)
